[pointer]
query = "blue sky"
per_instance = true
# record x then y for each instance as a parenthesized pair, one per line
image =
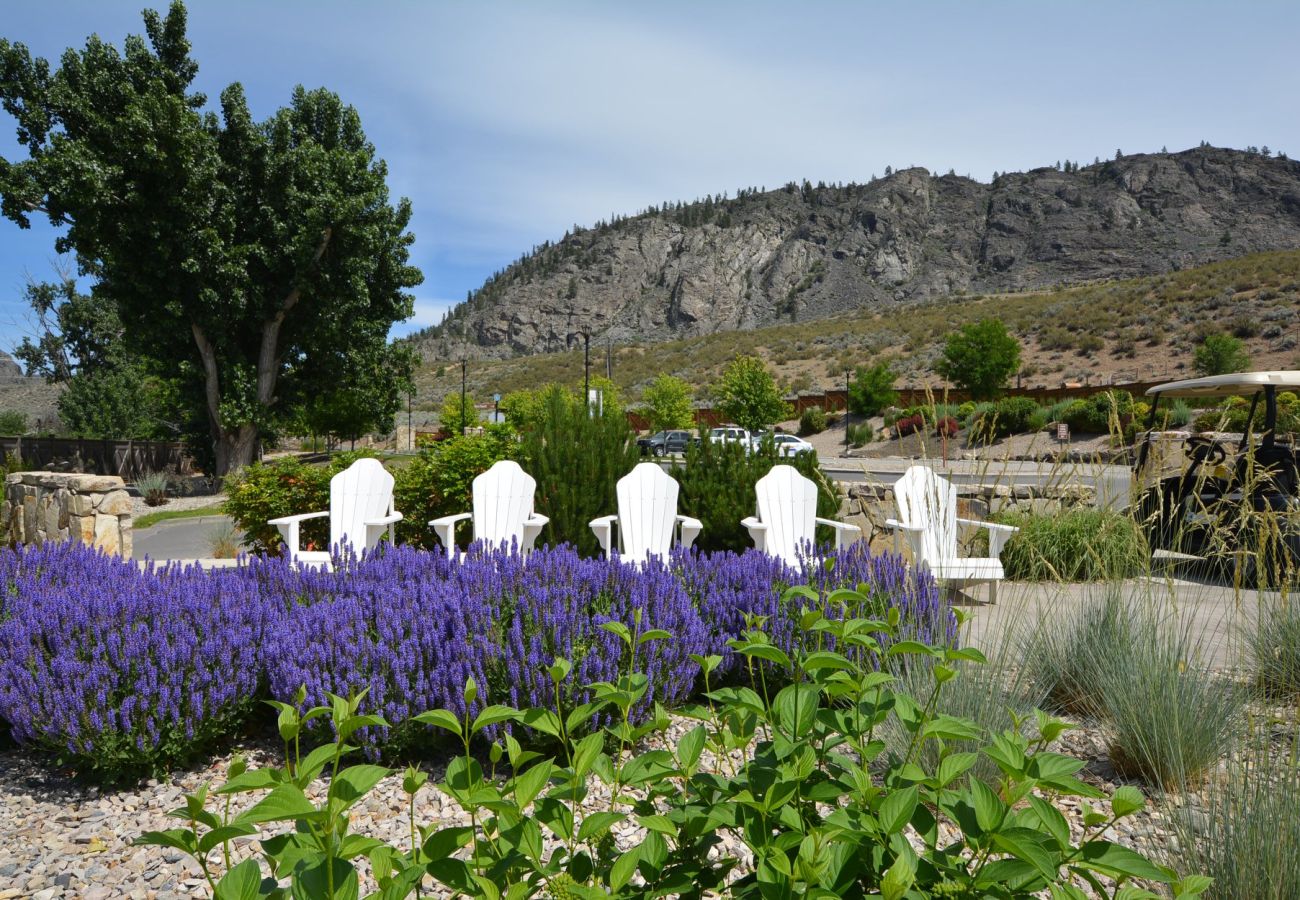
(505, 123)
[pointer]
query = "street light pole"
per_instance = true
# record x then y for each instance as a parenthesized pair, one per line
(847, 376)
(410, 435)
(464, 365)
(586, 371)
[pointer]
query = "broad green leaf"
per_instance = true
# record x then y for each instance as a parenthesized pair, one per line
(826, 660)
(1023, 844)
(354, 782)
(178, 838)
(529, 784)
(585, 753)
(795, 708)
(1126, 801)
(953, 766)
(446, 841)
(896, 809)
(898, 878)
(1191, 886)
(691, 746)
(661, 824)
(596, 824)
(354, 845)
(621, 872)
(311, 880)
(988, 807)
(253, 780)
(243, 882)
(653, 634)
(442, 718)
(492, 715)
(543, 720)
(223, 833)
(765, 651)
(286, 802)
(1052, 821)
(1118, 862)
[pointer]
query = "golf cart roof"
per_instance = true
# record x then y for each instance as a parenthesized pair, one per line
(1242, 383)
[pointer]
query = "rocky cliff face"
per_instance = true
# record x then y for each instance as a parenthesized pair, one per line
(808, 252)
(9, 368)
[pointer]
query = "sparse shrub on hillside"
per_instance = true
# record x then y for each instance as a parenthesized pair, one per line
(12, 422)
(1220, 354)
(812, 421)
(1244, 325)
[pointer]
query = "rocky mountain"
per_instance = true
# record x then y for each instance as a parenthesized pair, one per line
(9, 367)
(808, 251)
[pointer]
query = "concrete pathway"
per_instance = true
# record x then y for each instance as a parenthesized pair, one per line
(1214, 614)
(178, 538)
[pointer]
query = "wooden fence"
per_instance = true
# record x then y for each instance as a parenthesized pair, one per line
(127, 459)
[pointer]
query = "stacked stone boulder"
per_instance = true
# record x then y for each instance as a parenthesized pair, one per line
(52, 506)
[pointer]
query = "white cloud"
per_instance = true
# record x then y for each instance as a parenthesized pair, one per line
(428, 311)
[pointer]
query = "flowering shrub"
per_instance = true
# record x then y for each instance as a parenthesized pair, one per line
(123, 670)
(117, 670)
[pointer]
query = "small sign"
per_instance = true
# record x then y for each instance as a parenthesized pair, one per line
(1062, 432)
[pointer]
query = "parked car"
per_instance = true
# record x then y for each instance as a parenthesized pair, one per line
(791, 445)
(661, 443)
(729, 434)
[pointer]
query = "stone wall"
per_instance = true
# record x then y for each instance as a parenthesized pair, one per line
(47, 506)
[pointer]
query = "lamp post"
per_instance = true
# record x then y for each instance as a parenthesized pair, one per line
(464, 365)
(586, 370)
(496, 409)
(410, 435)
(847, 376)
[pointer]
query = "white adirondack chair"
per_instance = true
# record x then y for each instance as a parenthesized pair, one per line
(361, 510)
(647, 516)
(927, 514)
(787, 516)
(503, 510)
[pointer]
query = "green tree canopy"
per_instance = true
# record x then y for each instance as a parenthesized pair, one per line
(668, 403)
(747, 394)
(980, 357)
(872, 389)
(236, 253)
(1220, 354)
(456, 416)
(108, 391)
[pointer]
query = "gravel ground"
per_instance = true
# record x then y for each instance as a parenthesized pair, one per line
(63, 839)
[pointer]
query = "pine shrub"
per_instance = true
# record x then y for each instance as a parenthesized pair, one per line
(577, 459)
(717, 487)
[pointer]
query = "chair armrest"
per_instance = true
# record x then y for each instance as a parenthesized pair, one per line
(533, 526)
(691, 529)
(757, 532)
(845, 533)
(991, 526)
(289, 528)
(445, 529)
(386, 520)
(289, 520)
(604, 531)
(899, 526)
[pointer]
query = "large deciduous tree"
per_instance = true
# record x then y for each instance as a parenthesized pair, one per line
(980, 357)
(246, 253)
(747, 394)
(668, 403)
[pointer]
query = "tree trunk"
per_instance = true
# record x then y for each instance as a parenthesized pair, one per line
(235, 448)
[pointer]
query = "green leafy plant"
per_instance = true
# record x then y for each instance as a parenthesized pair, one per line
(1220, 354)
(668, 403)
(812, 421)
(872, 389)
(265, 491)
(13, 422)
(1012, 415)
(747, 395)
(785, 772)
(440, 480)
(717, 487)
(980, 357)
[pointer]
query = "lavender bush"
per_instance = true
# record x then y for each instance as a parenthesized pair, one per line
(117, 670)
(121, 669)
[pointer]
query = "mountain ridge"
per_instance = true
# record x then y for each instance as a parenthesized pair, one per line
(804, 252)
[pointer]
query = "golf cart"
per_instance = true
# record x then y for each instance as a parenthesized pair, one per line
(1226, 501)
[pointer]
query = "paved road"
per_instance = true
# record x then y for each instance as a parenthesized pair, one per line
(178, 538)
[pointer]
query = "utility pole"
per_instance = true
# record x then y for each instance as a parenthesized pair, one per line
(410, 435)
(586, 371)
(609, 359)
(464, 365)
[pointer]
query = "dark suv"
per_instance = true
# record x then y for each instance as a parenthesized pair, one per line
(661, 443)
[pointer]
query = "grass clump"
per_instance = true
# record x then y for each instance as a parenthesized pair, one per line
(1065, 658)
(1243, 830)
(1170, 718)
(1273, 649)
(1080, 544)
